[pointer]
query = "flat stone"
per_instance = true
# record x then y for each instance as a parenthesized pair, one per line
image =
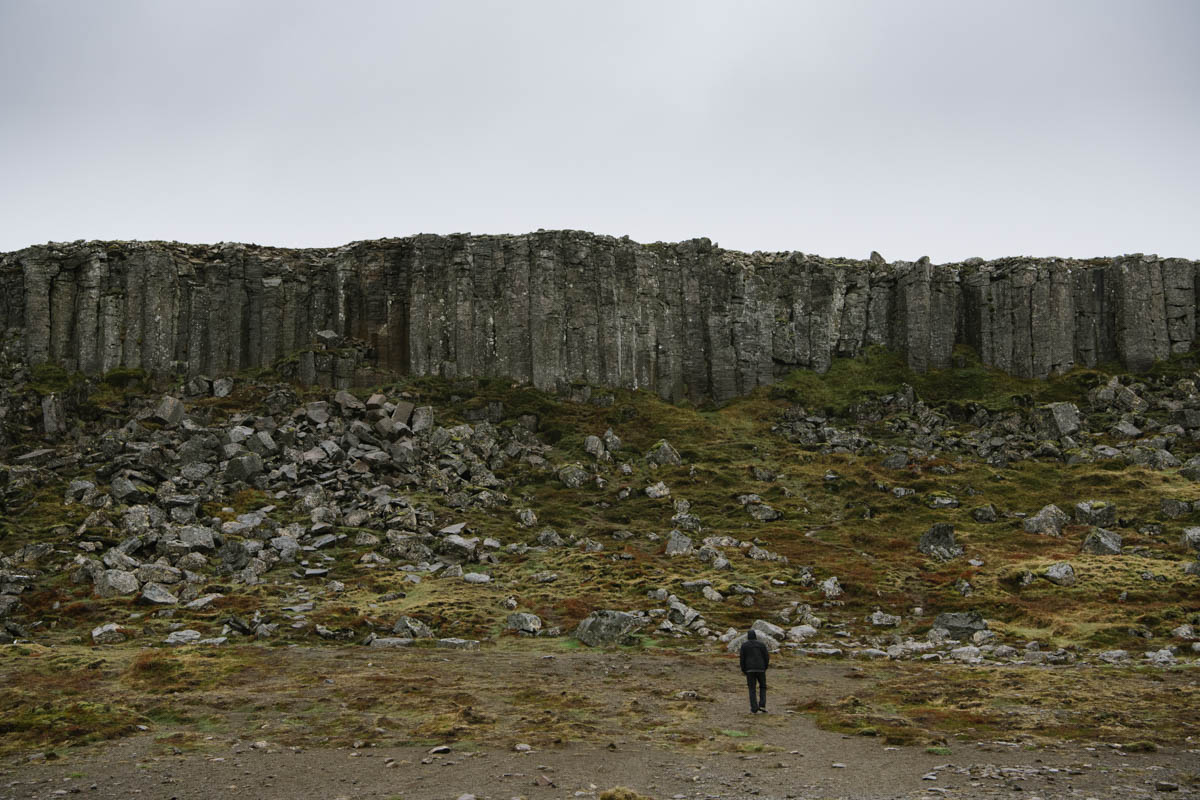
(391, 641)
(455, 643)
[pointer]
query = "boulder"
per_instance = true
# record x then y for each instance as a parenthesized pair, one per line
(169, 411)
(288, 547)
(961, 625)
(458, 547)
(658, 491)
(607, 627)
(54, 419)
(1047, 522)
(1096, 512)
(158, 573)
(348, 402)
(1126, 398)
(112, 633)
(881, 620)
(412, 628)
(234, 555)
(197, 537)
(455, 643)
(157, 594)
(403, 412)
(984, 514)
(422, 419)
(594, 447)
(115, 583)
(663, 454)
(1157, 458)
(524, 622)
(1191, 470)
(1114, 656)
(801, 632)
(391, 641)
(548, 537)
(680, 612)
(1124, 429)
(185, 636)
(968, 654)
(123, 490)
(1061, 574)
(243, 467)
(678, 544)
(1102, 542)
(938, 542)
(8, 604)
(1190, 539)
(573, 476)
(1172, 508)
(736, 643)
(763, 512)
(1056, 420)
(761, 626)
(938, 500)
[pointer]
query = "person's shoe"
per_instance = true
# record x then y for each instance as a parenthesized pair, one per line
(763, 709)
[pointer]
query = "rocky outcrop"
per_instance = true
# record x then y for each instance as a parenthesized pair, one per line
(684, 320)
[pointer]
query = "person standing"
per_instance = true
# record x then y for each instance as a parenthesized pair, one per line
(755, 657)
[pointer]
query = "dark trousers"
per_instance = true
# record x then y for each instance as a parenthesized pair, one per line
(759, 678)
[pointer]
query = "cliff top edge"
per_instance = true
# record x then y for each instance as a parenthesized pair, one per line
(556, 236)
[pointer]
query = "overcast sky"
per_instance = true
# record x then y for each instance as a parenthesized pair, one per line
(949, 129)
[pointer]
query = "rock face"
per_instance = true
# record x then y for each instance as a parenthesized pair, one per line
(684, 320)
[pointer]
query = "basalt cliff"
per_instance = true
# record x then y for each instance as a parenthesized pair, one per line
(687, 320)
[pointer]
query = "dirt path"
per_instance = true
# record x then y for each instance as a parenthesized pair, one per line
(127, 769)
(714, 749)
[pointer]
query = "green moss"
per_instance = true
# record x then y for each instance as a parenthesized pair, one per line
(49, 378)
(30, 722)
(124, 377)
(879, 371)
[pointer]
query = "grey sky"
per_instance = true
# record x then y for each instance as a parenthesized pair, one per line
(947, 129)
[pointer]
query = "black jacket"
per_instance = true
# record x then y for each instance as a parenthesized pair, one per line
(754, 656)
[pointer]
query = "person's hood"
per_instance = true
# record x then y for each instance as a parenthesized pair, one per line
(751, 635)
